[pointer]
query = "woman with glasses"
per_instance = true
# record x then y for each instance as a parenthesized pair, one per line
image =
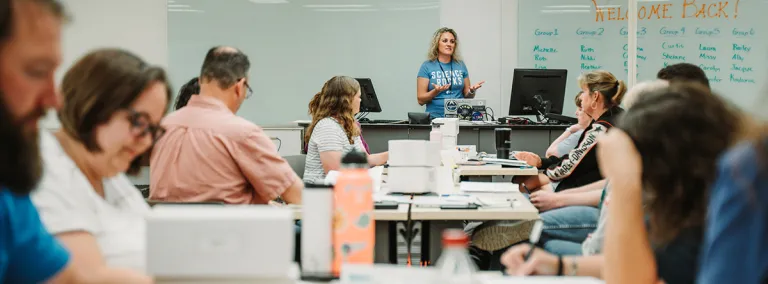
(112, 105)
(444, 75)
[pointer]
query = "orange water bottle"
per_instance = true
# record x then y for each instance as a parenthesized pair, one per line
(353, 226)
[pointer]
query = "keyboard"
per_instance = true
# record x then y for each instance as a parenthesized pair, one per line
(562, 118)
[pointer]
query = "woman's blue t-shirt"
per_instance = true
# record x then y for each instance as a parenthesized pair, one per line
(440, 74)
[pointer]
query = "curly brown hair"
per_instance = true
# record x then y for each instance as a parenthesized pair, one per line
(335, 101)
(680, 131)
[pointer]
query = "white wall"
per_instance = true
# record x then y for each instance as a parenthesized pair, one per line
(509, 47)
(487, 32)
(140, 26)
(478, 25)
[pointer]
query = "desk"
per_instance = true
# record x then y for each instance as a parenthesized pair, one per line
(294, 275)
(437, 220)
(493, 170)
(532, 138)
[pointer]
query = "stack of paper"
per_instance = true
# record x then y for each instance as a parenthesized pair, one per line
(500, 187)
(374, 172)
(506, 162)
(494, 202)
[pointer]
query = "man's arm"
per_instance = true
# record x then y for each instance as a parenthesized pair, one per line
(268, 173)
(292, 195)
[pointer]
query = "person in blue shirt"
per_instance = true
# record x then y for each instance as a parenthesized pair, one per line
(444, 75)
(29, 54)
(735, 246)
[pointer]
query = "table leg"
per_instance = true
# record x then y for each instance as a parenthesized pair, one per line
(432, 243)
(385, 249)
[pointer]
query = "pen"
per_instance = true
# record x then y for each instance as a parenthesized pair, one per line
(534, 239)
(528, 191)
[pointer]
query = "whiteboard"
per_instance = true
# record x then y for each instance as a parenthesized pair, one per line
(728, 39)
(295, 46)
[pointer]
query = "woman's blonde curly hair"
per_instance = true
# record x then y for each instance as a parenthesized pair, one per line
(433, 48)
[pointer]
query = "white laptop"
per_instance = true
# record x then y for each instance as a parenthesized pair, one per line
(197, 242)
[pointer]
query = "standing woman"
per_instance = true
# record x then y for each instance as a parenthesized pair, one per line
(444, 75)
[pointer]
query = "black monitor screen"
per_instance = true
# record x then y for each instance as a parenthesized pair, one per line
(531, 87)
(368, 100)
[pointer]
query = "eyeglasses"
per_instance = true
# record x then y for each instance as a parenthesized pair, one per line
(141, 125)
(248, 91)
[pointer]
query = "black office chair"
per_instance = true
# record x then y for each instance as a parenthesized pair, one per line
(418, 118)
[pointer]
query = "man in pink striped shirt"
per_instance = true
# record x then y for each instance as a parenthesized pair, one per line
(209, 154)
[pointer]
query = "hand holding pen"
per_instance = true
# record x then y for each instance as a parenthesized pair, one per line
(526, 259)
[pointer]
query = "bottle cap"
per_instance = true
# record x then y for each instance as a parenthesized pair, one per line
(455, 237)
(354, 157)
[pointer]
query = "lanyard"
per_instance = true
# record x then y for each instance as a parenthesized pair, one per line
(450, 78)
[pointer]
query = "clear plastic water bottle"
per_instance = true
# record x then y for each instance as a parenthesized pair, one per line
(436, 135)
(455, 265)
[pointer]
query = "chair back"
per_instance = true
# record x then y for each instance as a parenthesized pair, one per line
(297, 163)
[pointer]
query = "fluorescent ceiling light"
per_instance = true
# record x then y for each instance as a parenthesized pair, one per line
(177, 6)
(269, 1)
(567, 6)
(415, 8)
(412, 4)
(337, 6)
(564, 11)
(345, 10)
(186, 10)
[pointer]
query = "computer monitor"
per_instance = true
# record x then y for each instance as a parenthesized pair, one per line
(368, 100)
(534, 88)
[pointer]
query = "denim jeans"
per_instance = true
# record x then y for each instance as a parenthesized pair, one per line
(561, 247)
(566, 228)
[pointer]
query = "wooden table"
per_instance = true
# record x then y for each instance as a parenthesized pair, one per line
(495, 170)
(437, 220)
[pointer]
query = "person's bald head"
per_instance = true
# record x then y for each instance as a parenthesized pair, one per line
(225, 65)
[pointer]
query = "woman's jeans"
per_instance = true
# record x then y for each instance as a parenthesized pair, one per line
(566, 228)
